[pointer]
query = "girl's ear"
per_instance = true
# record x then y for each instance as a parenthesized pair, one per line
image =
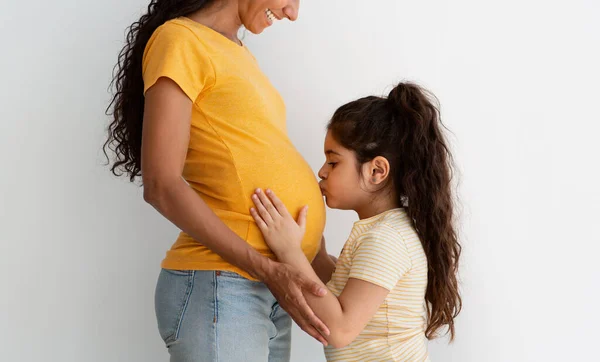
(379, 170)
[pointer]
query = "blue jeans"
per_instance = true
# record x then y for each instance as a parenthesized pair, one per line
(210, 316)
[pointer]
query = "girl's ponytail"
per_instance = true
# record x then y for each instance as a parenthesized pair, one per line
(423, 178)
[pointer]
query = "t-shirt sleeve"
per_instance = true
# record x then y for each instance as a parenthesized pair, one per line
(175, 52)
(380, 257)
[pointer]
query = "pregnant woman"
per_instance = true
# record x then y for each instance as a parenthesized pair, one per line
(197, 119)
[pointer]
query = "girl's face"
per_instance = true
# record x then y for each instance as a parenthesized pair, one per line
(341, 183)
(257, 15)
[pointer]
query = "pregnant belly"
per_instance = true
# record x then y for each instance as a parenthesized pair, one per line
(296, 187)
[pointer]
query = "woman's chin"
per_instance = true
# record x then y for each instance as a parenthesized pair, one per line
(256, 30)
(256, 27)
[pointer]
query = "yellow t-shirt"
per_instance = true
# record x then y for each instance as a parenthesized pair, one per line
(385, 250)
(238, 139)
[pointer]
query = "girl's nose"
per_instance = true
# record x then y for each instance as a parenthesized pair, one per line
(322, 173)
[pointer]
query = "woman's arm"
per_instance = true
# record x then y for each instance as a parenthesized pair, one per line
(346, 315)
(323, 264)
(165, 141)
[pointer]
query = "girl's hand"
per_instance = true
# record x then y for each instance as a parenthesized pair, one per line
(281, 232)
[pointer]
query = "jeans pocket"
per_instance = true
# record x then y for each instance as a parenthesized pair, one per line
(173, 291)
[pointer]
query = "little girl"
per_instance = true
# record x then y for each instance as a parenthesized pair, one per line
(395, 283)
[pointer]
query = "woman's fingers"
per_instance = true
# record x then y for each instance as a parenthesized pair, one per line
(307, 312)
(309, 320)
(312, 318)
(312, 331)
(285, 282)
(313, 287)
(304, 323)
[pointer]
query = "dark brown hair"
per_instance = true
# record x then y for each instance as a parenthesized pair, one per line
(127, 105)
(406, 129)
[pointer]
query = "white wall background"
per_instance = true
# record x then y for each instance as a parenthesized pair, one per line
(518, 82)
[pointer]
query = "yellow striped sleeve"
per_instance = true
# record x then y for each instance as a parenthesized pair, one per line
(380, 257)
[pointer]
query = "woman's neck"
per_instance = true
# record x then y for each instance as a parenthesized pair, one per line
(222, 18)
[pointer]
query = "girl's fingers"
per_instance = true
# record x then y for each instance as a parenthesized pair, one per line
(267, 204)
(262, 211)
(302, 217)
(262, 226)
(283, 211)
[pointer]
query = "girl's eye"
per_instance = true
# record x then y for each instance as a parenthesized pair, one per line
(332, 164)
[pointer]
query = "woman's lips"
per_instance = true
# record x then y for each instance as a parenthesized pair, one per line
(271, 17)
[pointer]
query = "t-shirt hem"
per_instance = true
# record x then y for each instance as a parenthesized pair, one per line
(372, 281)
(204, 265)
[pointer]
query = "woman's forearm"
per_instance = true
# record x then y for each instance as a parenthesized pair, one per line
(323, 266)
(185, 208)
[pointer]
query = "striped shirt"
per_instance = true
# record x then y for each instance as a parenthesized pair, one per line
(385, 250)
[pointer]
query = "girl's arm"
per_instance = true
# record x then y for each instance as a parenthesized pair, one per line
(346, 315)
(165, 141)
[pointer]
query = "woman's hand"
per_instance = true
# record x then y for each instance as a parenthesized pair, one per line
(287, 283)
(281, 232)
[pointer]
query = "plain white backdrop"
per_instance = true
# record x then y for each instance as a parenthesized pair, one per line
(518, 84)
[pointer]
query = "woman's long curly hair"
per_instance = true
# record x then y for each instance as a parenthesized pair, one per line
(127, 105)
(406, 129)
